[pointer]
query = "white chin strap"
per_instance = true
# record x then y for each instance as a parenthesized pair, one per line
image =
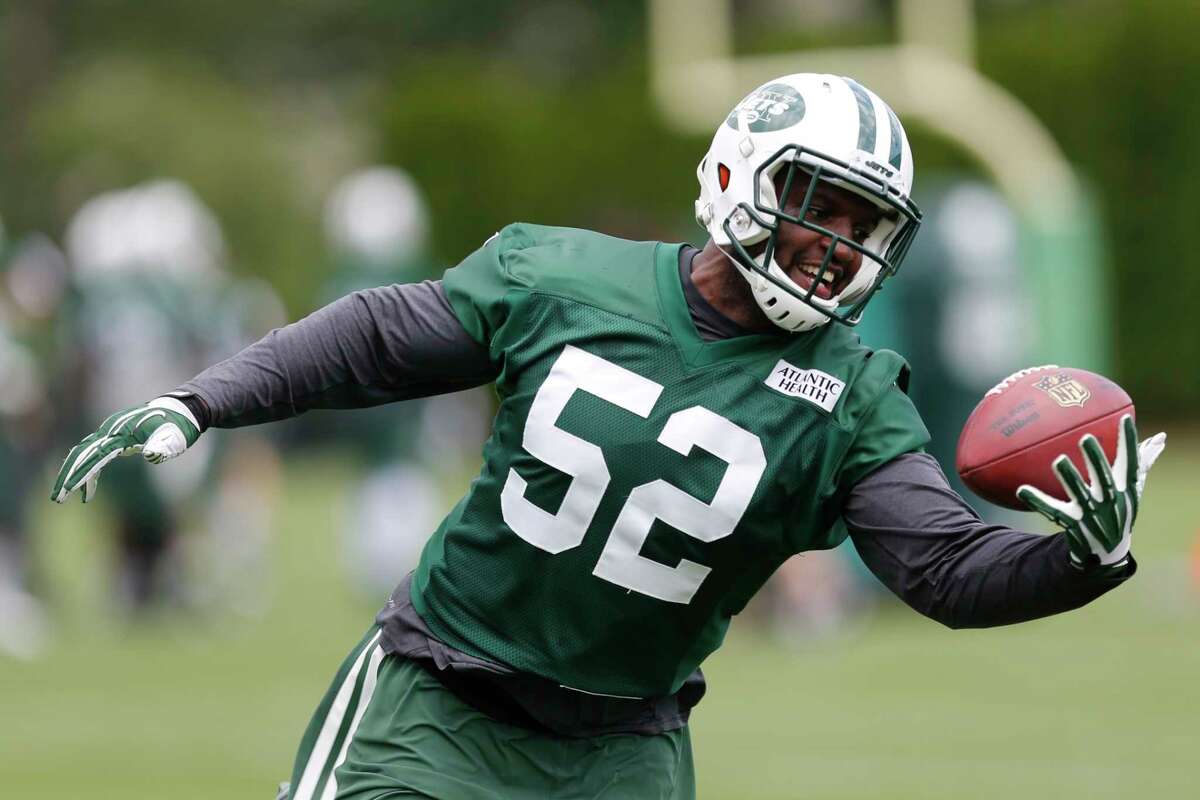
(788, 312)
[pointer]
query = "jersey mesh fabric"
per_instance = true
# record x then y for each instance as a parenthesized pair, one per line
(490, 592)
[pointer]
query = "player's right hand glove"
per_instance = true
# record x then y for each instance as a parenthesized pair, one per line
(1098, 516)
(160, 430)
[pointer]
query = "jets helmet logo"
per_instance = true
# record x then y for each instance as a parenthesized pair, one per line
(1064, 390)
(771, 108)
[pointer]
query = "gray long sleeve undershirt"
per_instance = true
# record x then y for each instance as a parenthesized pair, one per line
(397, 342)
(922, 540)
(370, 347)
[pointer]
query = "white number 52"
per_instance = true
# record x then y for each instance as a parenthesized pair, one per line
(621, 561)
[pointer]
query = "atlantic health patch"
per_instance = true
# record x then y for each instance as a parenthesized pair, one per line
(817, 387)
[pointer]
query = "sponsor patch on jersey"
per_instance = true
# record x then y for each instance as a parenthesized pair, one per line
(817, 387)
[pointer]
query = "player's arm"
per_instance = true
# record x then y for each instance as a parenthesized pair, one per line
(371, 347)
(926, 544)
(374, 346)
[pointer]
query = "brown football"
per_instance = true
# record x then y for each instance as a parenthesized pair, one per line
(1029, 419)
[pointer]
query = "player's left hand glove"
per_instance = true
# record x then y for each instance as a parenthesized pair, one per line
(1098, 518)
(160, 430)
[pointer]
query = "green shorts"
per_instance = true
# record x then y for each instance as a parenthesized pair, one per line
(386, 728)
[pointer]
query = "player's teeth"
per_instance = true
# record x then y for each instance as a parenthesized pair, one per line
(828, 276)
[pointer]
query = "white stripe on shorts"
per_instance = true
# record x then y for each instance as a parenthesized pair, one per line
(319, 754)
(364, 698)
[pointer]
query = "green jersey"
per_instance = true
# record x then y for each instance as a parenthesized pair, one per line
(640, 483)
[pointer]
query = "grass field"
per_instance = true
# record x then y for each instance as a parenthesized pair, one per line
(1101, 703)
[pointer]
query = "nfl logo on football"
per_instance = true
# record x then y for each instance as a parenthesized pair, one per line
(1064, 390)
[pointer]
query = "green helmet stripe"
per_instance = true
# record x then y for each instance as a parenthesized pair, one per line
(896, 152)
(866, 116)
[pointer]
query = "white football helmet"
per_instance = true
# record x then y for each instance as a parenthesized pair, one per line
(821, 128)
(377, 216)
(160, 227)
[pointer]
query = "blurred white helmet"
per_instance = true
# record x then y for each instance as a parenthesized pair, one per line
(160, 226)
(820, 128)
(377, 215)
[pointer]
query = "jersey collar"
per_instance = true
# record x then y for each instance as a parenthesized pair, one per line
(692, 347)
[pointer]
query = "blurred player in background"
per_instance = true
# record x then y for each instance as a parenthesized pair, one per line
(151, 304)
(377, 227)
(33, 279)
(228, 561)
(674, 423)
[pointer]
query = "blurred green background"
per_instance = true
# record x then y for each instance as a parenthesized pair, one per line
(541, 110)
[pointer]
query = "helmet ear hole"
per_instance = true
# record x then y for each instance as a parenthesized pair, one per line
(723, 176)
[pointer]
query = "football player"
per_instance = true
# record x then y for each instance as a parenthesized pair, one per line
(152, 303)
(33, 280)
(673, 423)
(377, 227)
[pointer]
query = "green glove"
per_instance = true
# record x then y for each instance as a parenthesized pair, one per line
(160, 430)
(1098, 518)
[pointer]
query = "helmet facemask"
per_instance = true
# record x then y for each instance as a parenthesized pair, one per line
(881, 252)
